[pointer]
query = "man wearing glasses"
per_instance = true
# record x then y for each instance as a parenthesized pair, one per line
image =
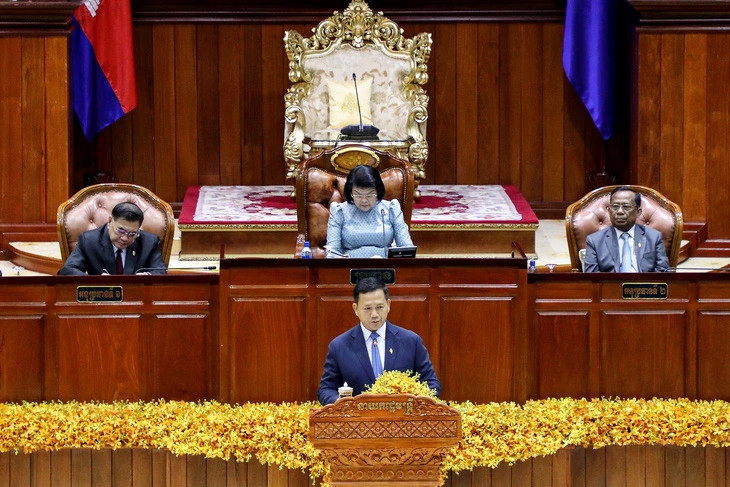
(626, 246)
(118, 247)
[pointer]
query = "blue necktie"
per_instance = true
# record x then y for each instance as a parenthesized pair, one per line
(625, 253)
(377, 365)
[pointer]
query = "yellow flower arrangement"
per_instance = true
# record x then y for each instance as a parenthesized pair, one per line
(276, 434)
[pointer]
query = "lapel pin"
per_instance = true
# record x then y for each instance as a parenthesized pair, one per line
(639, 244)
(391, 351)
(134, 252)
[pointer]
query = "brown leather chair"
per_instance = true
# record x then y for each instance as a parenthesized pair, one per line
(91, 207)
(321, 182)
(590, 214)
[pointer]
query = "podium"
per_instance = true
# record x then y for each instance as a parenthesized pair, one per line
(385, 439)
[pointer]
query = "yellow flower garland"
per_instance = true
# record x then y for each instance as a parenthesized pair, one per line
(276, 434)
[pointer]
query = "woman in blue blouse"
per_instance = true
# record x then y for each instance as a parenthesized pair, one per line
(355, 227)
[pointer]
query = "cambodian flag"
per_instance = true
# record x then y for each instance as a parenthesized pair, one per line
(102, 63)
(589, 57)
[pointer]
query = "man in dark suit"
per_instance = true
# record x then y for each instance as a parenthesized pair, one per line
(117, 247)
(373, 346)
(626, 246)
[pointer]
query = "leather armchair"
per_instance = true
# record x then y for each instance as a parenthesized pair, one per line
(321, 182)
(91, 207)
(590, 214)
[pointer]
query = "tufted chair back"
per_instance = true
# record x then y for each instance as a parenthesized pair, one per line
(91, 207)
(590, 214)
(321, 182)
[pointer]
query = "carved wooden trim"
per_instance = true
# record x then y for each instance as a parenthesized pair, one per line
(682, 15)
(35, 18)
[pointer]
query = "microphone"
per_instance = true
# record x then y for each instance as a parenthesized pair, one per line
(360, 131)
(201, 268)
(385, 248)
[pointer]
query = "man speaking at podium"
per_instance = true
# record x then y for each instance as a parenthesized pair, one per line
(375, 345)
(117, 247)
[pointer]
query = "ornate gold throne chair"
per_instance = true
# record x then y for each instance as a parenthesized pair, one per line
(389, 66)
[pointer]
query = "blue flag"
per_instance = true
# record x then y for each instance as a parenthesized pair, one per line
(589, 57)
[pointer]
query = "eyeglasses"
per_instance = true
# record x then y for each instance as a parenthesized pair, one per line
(125, 233)
(367, 196)
(626, 208)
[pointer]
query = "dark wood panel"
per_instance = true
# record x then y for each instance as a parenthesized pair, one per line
(713, 372)
(21, 356)
(258, 354)
(564, 352)
(98, 357)
(642, 354)
(11, 151)
(475, 330)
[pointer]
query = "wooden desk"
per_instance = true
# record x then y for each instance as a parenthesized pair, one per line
(159, 342)
(279, 315)
(587, 341)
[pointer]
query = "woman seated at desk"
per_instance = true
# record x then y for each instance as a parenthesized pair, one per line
(365, 224)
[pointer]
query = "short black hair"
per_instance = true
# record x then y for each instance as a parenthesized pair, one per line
(363, 176)
(637, 196)
(128, 211)
(368, 285)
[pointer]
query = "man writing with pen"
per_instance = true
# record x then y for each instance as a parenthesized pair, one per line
(117, 247)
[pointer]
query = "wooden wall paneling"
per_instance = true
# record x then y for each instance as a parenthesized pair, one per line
(674, 466)
(670, 166)
(186, 108)
(575, 121)
(21, 346)
(121, 139)
(715, 467)
(98, 356)
(577, 467)
(642, 354)
(20, 470)
(40, 469)
(215, 472)
(694, 460)
(334, 315)
(695, 123)
(274, 71)
(542, 471)
(531, 97)
(230, 93)
(522, 473)
(635, 465)
(236, 473)
(161, 474)
(511, 52)
(208, 95)
(488, 103)
(488, 360)
(595, 467)
(164, 94)
(467, 95)
(502, 476)
(252, 106)
(718, 142)
(101, 467)
(256, 473)
(616, 466)
(648, 144)
(257, 352)
(143, 117)
(11, 125)
(553, 103)
(180, 362)
(81, 468)
(141, 467)
(442, 135)
(33, 94)
(122, 468)
(563, 353)
(57, 164)
(713, 370)
(60, 468)
(561, 468)
(178, 470)
(195, 470)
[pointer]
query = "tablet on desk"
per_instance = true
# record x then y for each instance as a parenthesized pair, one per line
(395, 252)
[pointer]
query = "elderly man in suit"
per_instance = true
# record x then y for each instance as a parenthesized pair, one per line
(359, 355)
(626, 246)
(117, 247)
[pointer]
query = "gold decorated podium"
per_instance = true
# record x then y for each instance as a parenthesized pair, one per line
(385, 439)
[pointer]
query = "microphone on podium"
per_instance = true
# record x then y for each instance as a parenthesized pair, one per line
(360, 131)
(385, 248)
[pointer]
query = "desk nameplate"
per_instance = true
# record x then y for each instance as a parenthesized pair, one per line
(387, 276)
(645, 290)
(94, 294)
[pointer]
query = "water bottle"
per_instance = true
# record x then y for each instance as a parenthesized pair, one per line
(306, 251)
(532, 268)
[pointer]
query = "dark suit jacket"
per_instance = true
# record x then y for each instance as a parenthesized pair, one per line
(347, 361)
(602, 251)
(94, 252)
